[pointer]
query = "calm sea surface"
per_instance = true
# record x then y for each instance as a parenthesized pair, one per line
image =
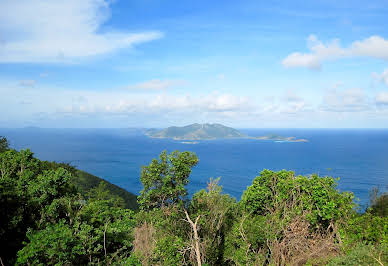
(358, 157)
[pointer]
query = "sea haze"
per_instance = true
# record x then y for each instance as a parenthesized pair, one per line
(358, 156)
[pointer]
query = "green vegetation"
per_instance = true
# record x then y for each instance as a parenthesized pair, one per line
(51, 215)
(210, 131)
(85, 182)
(3, 144)
(164, 181)
(196, 132)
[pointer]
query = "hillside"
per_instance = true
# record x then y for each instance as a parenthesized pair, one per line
(196, 132)
(85, 182)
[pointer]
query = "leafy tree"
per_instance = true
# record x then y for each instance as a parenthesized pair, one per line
(86, 182)
(4, 145)
(316, 196)
(216, 212)
(245, 243)
(283, 216)
(379, 202)
(161, 236)
(367, 229)
(101, 193)
(40, 198)
(360, 254)
(49, 246)
(92, 232)
(164, 181)
(25, 191)
(163, 201)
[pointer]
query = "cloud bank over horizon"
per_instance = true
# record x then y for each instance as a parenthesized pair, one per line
(105, 63)
(62, 107)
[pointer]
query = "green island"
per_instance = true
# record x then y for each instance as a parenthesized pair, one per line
(275, 137)
(54, 214)
(210, 132)
(196, 132)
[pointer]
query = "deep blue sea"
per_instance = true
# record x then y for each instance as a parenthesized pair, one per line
(358, 157)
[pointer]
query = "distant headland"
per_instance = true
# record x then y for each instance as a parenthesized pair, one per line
(196, 132)
(275, 137)
(210, 132)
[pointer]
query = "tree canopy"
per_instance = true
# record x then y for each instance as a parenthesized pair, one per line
(4, 145)
(165, 180)
(49, 218)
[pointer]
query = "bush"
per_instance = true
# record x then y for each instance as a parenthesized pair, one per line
(366, 229)
(315, 196)
(362, 255)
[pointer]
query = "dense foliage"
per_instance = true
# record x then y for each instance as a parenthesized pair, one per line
(164, 181)
(3, 144)
(85, 182)
(54, 214)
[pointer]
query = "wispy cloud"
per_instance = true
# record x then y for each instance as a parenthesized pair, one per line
(27, 83)
(155, 85)
(383, 77)
(350, 100)
(382, 99)
(43, 75)
(289, 103)
(291, 96)
(24, 102)
(221, 76)
(155, 104)
(60, 31)
(152, 108)
(374, 46)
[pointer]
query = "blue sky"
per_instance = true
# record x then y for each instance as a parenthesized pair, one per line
(255, 64)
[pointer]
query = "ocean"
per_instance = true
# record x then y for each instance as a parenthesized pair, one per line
(359, 157)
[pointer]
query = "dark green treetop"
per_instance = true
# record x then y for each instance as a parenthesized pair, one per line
(316, 195)
(4, 145)
(25, 190)
(164, 181)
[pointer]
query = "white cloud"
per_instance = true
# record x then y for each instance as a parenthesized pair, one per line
(119, 102)
(383, 77)
(210, 103)
(350, 100)
(27, 83)
(294, 104)
(221, 76)
(382, 98)
(53, 106)
(374, 46)
(155, 84)
(289, 103)
(291, 96)
(216, 102)
(43, 75)
(302, 60)
(60, 31)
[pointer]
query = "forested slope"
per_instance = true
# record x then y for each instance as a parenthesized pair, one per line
(53, 214)
(85, 182)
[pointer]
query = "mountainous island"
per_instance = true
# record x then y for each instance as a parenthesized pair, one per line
(209, 132)
(196, 132)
